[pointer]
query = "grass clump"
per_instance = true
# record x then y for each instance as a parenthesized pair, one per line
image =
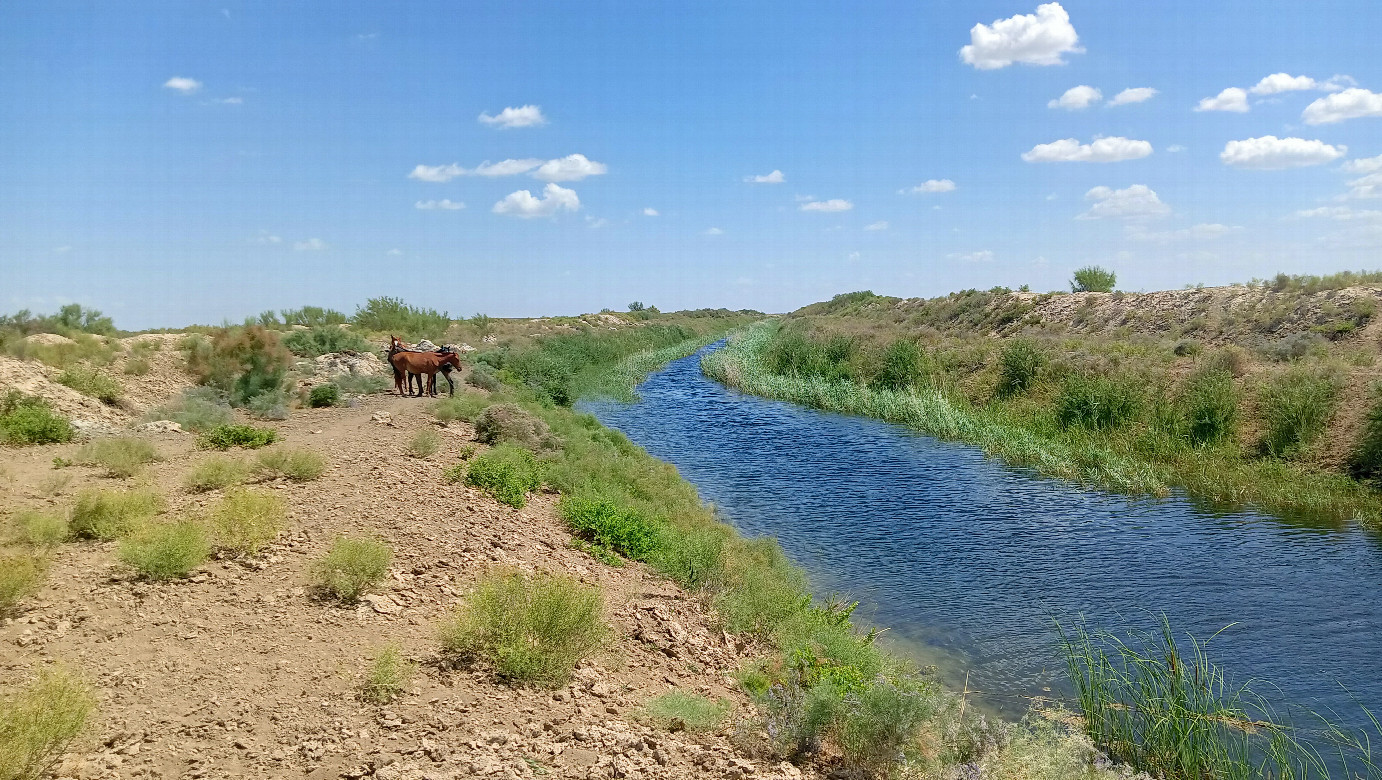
(1019, 364)
(324, 395)
(39, 722)
(511, 423)
(29, 420)
(223, 437)
(1095, 403)
(1210, 405)
(389, 674)
(352, 567)
(166, 551)
(506, 472)
(610, 525)
(466, 406)
(529, 629)
(89, 381)
(215, 474)
(39, 528)
(359, 384)
(21, 574)
(296, 465)
(121, 456)
(112, 514)
(425, 444)
(137, 366)
(1366, 460)
(679, 711)
(198, 409)
(483, 377)
(246, 520)
(1295, 407)
(269, 405)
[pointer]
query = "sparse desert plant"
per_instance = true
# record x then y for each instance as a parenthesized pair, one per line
(389, 674)
(1095, 402)
(424, 444)
(137, 366)
(216, 473)
(223, 437)
(1093, 278)
(242, 362)
(352, 567)
(1210, 405)
(1296, 406)
(40, 721)
(21, 573)
(297, 465)
(1229, 358)
(269, 405)
(324, 395)
(465, 406)
(483, 377)
(511, 423)
(1019, 363)
(89, 381)
(40, 528)
(529, 629)
(29, 420)
(165, 551)
(507, 472)
(879, 722)
(246, 520)
(111, 514)
(121, 456)
(681, 711)
(198, 409)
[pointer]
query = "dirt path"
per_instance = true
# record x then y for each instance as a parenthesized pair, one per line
(242, 672)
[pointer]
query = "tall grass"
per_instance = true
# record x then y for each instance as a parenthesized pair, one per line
(1296, 406)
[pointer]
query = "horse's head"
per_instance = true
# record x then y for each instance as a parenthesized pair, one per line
(395, 344)
(452, 359)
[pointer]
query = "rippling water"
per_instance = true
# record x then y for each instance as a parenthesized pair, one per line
(966, 560)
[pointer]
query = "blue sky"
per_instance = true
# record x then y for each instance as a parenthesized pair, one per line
(187, 162)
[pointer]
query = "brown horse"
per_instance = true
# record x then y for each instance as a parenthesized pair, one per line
(428, 363)
(396, 345)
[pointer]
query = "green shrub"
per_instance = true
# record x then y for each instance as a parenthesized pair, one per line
(223, 437)
(678, 711)
(324, 339)
(506, 472)
(21, 574)
(1229, 358)
(30, 420)
(89, 381)
(165, 551)
(509, 422)
(604, 522)
(269, 405)
(297, 465)
(483, 377)
(1295, 408)
(1366, 460)
(324, 395)
(1092, 278)
(111, 514)
(1019, 364)
(198, 409)
(466, 406)
(242, 362)
(121, 456)
(41, 529)
(351, 567)
(1210, 405)
(216, 473)
(902, 366)
(1095, 402)
(137, 366)
(39, 722)
(388, 676)
(528, 629)
(424, 444)
(392, 315)
(879, 722)
(312, 317)
(245, 521)
(359, 384)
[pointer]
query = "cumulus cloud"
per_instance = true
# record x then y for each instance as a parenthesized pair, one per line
(1133, 95)
(1113, 149)
(1272, 153)
(1135, 202)
(1340, 213)
(182, 84)
(1285, 82)
(572, 167)
(437, 173)
(650, 212)
(523, 116)
(443, 205)
(310, 245)
(879, 225)
(1364, 165)
(1369, 186)
(524, 205)
(1349, 104)
(1077, 98)
(1173, 148)
(1032, 39)
(1231, 99)
(929, 186)
(982, 256)
(504, 167)
(834, 204)
(776, 177)
(1201, 232)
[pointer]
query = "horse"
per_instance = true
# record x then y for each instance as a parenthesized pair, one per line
(396, 345)
(429, 363)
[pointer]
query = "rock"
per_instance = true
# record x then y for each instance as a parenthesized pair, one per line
(425, 346)
(86, 429)
(334, 364)
(383, 604)
(382, 417)
(160, 426)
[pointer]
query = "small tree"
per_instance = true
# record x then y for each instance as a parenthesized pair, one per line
(1092, 278)
(637, 306)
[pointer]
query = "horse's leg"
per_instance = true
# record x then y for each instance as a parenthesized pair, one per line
(432, 383)
(450, 384)
(418, 377)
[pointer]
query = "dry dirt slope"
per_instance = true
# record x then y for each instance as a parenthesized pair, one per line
(242, 672)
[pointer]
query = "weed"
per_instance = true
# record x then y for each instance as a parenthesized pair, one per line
(388, 676)
(110, 514)
(89, 381)
(1366, 460)
(30, 420)
(510, 423)
(1210, 405)
(137, 366)
(465, 406)
(352, 567)
(425, 444)
(21, 574)
(324, 395)
(1295, 407)
(165, 551)
(678, 711)
(244, 521)
(296, 465)
(1020, 362)
(506, 472)
(121, 456)
(1229, 358)
(604, 522)
(483, 377)
(271, 404)
(40, 528)
(39, 722)
(216, 473)
(223, 437)
(529, 629)
(1092, 278)
(198, 409)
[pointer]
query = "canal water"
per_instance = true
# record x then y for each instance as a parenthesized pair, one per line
(967, 561)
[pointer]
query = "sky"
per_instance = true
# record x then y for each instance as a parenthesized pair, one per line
(195, 162)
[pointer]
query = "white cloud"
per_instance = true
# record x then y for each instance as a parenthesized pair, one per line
(265, 237)
(1077, 98)
(1364, 165)
(802, 198)
(650, 212)
(310, 245)
(182, 84)
(1113, 149)
(1202, 232)
(1340, 213)
(1033, 39)
(834, 204)
(437, 173)
(523, 116)
(880, 225)
(444, 205)
(522, 204)
(714, 232)
(1285, 82)
(1231, 99)
(1369, 186)
(929, 186)
(596, 224)
(1349, 104)
(982, 256)
(1135, 202)
(776, 177)
(1173, 148)
(230, 101)
(1133, 95)
(504, 167)
(572, 167)
(1272, 153)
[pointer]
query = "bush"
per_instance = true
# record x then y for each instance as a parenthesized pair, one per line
(1095, 402)
(166, 550)
(1230, 359)
(223, 437)
(21, 574)
(392, 315)
(121, 456)
(243, 362)
(216, 473)
(902, 366)
(466, 406)
(38, 724)
(483, 377)
(324, 395)
(1019, 363)
(1296, 346)
(198, 409)
(40, 528)
(312, 317)
(324, 339)
(89, 381)
(30, 420)
(359, 384)
(269, 405)
(1296, 406)
(388, 675)
(506, 472)
(678, 711)
(879, 722)
(352, 567)
(604, 522)
(137, 366)
(1092, 278)
(1366, 460)
(509, 422)
(245, 521)
(109, 514)
(424, 444)
(297, 465)
(1210, 405)
(529, 629)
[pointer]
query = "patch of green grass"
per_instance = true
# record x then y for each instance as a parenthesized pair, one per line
(528, 629)
(324, 339)
(352, 567)
(324, 395)
(40, 528)
(89, 381)
(29, 420)
(507, 422)
(607, 523)
(223, 437)
(1365, 462)
(38, 723)
(165, 551)
(1020, 364)
(216, 473)
(680, 711)
(424, 444)
(120, 456)
(21, 574)
(296, 465)
(388, 676)
(462, 406)
(506, 472)
(244, 521)
(1296, 406)
(112, 514)
(1096, 403)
